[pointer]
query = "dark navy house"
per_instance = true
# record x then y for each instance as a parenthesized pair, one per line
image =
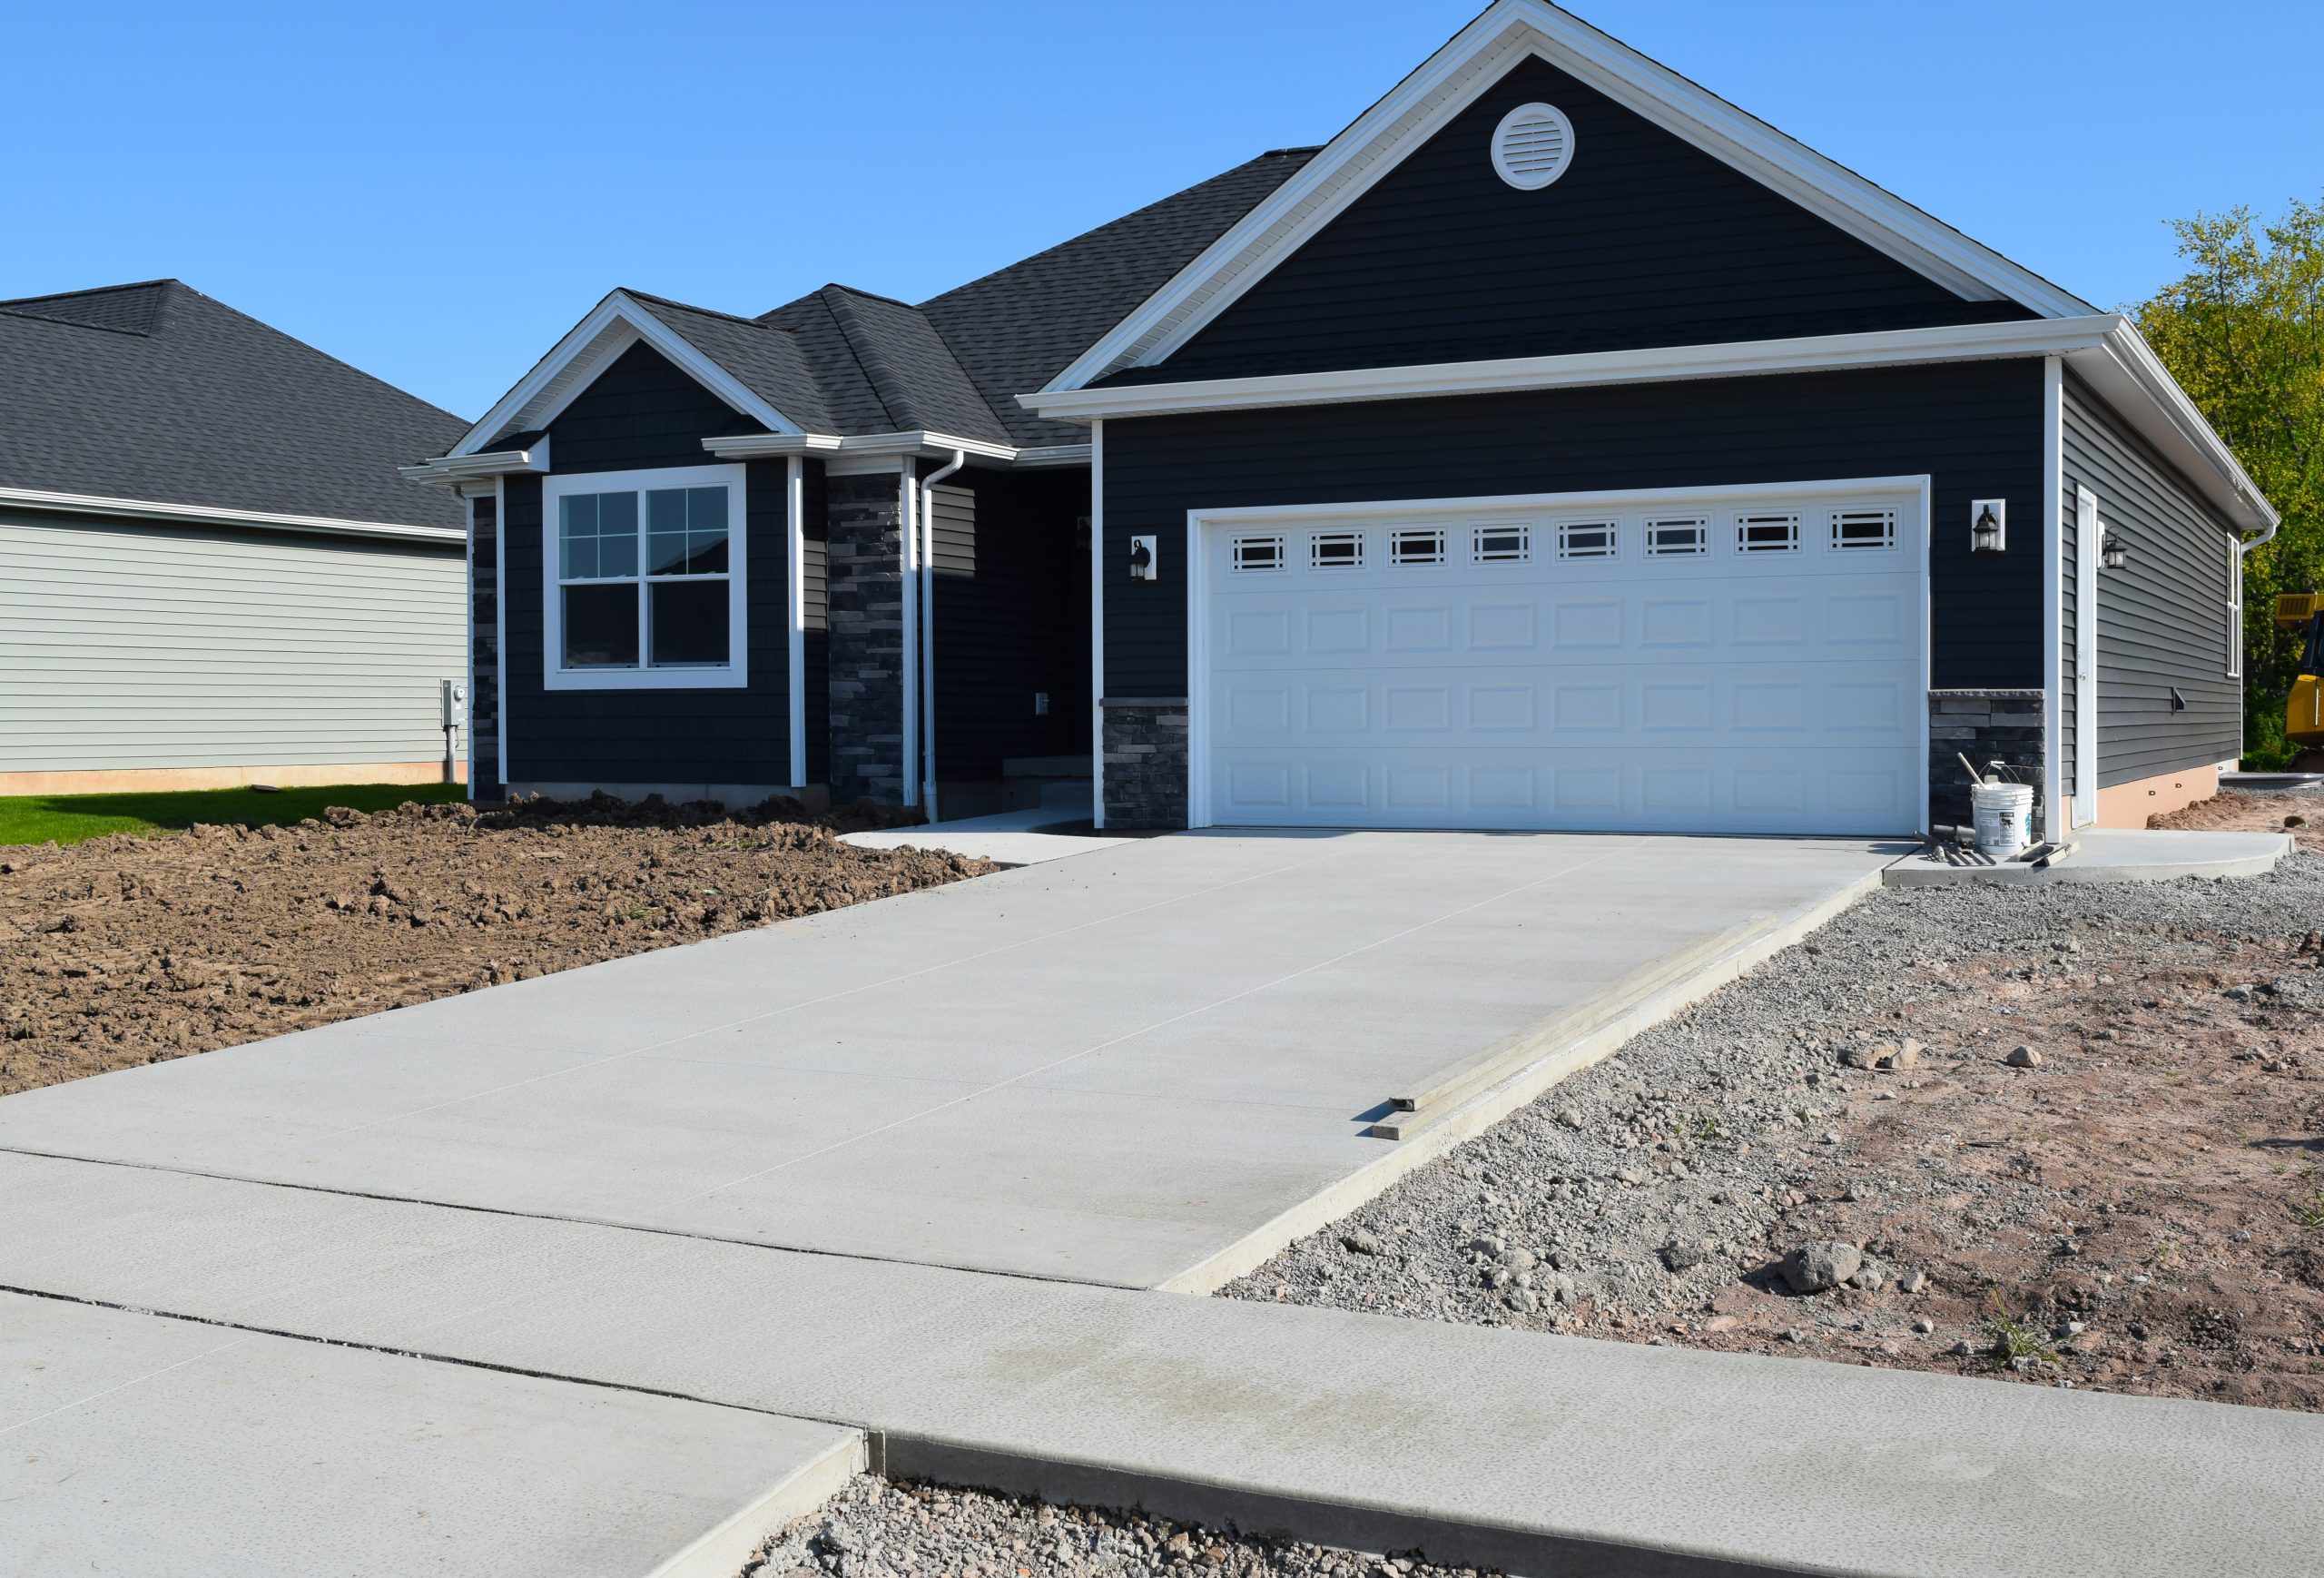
(1558, 447)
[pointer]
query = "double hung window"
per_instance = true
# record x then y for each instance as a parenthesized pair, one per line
(645, 578)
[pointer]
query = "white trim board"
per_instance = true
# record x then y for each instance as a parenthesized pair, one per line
(588, 347)
(2104, 348)
(2054, 817)
(1921, 487)
(1448, 82)
(212, 515)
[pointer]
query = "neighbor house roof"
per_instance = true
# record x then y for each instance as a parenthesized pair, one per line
(154, 394)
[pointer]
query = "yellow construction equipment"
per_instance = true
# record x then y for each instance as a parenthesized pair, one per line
(2304, 712)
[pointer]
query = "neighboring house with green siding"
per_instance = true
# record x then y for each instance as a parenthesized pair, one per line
(210, 573)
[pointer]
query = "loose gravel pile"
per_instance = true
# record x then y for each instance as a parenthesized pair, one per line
(126, 950)
(2071, 1134)
(876, 1528)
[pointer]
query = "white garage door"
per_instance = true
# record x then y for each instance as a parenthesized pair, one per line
(1752, 662)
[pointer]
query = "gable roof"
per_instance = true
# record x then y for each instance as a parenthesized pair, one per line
(847, 362)
(1474, 59)
(154, 394)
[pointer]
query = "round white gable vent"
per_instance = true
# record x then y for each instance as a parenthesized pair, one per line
(1533, 146)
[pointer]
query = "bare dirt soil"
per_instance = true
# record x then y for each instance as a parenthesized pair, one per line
(2135, 1204)
(126, 949)
(877, 1528)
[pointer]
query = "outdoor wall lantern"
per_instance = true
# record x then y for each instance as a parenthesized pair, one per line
(2116, 553)
(1141, 559)
(1988, 525)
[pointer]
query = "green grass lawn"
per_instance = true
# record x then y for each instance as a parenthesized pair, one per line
(71, 818)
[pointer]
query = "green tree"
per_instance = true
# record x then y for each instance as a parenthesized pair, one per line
(2243, 333)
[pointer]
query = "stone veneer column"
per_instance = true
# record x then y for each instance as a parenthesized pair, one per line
(1984, 726)
(1145, 762)
(864, 583)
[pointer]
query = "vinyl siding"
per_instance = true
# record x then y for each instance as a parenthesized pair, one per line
(1977, 428)
(1012, 617)
(1644, 240)
(2163, 619)
(127, 646)
(640, 411)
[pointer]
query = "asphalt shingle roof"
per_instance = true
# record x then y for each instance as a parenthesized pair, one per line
(156, 392)
(847, 361)
(1019, 328)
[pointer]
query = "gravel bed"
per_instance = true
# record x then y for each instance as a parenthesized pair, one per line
(2136, 1203)
(877, 1527)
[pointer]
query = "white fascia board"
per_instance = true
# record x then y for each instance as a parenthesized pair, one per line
(2126, 370)
(612, 327)
(1968, 342)
(918, 445)
(478, 467)
(204, 515)
(1474, 58)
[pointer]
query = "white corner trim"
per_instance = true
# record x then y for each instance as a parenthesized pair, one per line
(889, 447)
(735, 673)
(2054, 549)
(207, 515)
(1098, 625)
(612, 327)
(483, 467)
(1453, 78)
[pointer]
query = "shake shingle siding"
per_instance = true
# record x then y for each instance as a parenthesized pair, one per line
(2162, 619)
(1645, 240)
(1974, 427)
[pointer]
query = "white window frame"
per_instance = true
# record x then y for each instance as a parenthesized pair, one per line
(1658, 524)
(1605, 523)
(1745, 524)
(2234, 610)
(734, 673)
(1278, 563)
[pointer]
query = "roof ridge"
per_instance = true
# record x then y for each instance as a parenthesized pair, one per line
(705, 312)
(869, 295)
(93, 290)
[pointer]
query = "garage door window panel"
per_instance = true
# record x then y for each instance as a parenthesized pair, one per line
(1673, 538)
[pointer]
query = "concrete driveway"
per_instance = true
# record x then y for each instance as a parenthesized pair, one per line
(1148, 1066)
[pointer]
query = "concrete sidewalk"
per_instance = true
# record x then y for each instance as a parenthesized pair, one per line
(1150, 1065)
(1537, 1454)
(137, 1443)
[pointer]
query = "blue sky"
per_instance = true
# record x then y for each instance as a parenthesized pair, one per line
(435, 192)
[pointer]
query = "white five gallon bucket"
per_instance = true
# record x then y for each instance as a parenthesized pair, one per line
(2004, 817)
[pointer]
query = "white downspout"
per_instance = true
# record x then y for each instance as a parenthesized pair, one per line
(928, 625)
(907, 615)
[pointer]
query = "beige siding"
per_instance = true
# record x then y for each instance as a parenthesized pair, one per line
(127, 645)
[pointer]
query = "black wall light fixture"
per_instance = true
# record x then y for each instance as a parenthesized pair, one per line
(1988, 525)
(2116, 553)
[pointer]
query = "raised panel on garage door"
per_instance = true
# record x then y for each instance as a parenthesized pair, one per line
(1749, 663)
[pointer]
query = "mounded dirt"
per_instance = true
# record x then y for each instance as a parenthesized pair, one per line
(130, 950)
(2140, 1210)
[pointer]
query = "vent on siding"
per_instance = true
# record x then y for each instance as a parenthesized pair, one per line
(1863, 529)
(1503, 545)
(1258, 553)
(1767, 533)
(1586, 540)
(1336, 551)
(1677, 537)
(1533, 146)
(1416, 548)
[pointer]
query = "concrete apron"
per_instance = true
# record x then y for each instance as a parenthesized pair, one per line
(1536, 1454)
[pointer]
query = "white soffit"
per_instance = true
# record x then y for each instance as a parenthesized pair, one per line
(1479, 55)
